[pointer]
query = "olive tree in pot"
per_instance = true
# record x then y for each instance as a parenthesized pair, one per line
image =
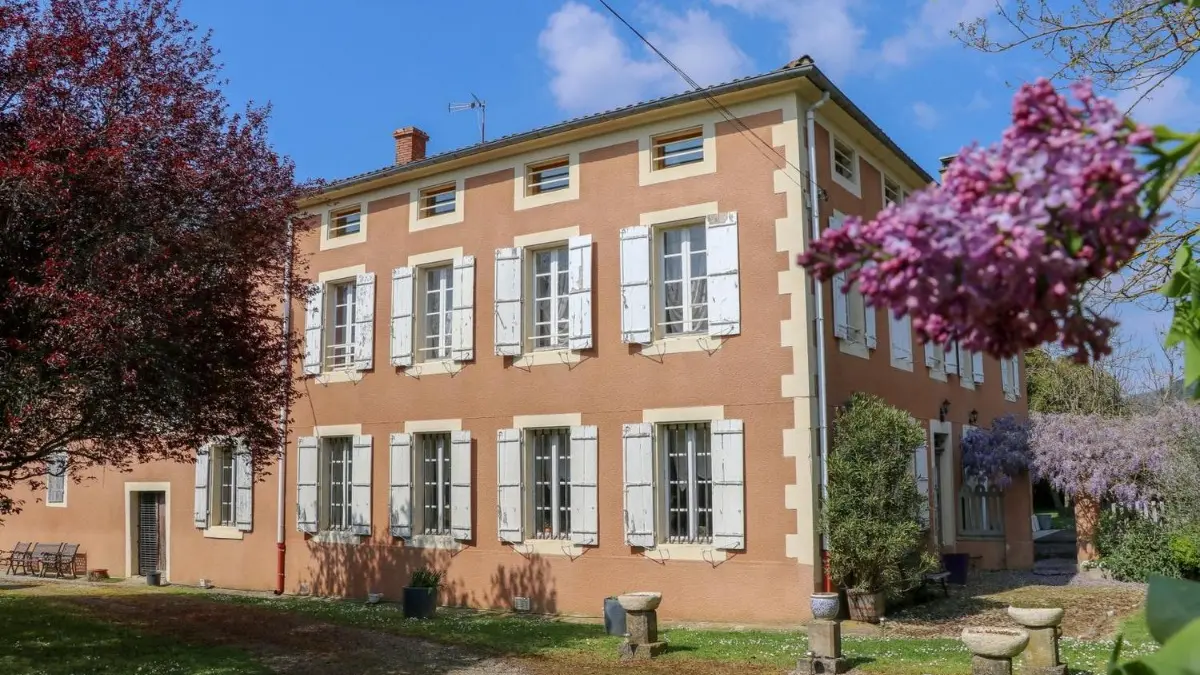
(420, 595)
(872, 513)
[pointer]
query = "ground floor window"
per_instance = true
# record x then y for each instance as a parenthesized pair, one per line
(434, 470)
(551, 495)
(338, 457)
(686, 458)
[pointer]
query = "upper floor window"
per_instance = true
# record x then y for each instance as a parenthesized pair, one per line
(683, 280)
(437, 291)
(678, 148)
(548, 176)
(892, 192)
(845, 161)
(339, 343)
(56, 478)
(551, 309)
(345, 222)
(438, 200)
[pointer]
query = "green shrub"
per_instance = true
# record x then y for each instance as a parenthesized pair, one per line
(1133, 547)
(872, 505)
(425, 578)
(1185, 549)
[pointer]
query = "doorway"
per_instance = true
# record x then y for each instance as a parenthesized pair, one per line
(151, 532)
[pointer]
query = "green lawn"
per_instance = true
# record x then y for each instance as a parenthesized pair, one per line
(39, 636)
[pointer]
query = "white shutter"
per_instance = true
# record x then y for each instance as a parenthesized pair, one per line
(1016, 375)
(243, 483)
(313, 329)
(509, 514)
(921, 473)
(977, 366)
(952, 358)
(579, 303)
(639, 484)
(307, 470)
(200, 512)
(400, 487)
(1006, 384)
(360, 485)
(931, 358)
(402, 316)
(869, 324)
(507, 332)
(728, 485)
(460, 485)
(462, 326)
(585, 523)
(724, 294)
(364, 321)
(900, 331)
(841, 310)
(635, 285)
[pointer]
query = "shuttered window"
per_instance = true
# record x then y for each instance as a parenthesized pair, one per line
(437, 291)
(683, 269)
(339, 345)
(435, 483)
(56, 478)
(225, 482)
(687, 468)
(551, 468)
(339, 468)
(550, 298)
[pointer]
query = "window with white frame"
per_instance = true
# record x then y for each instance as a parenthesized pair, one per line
(687, 505)
(345, 222)
(853, 319)
(434, 476)
(437, 311)
(935, 359)
(677, 148)
(333, 486)
(224, 486)
(981, 509)
(56, 478)
(438, 200)
(225, 482)
(338, 452)
(550, 293)
(339, 341)
(339, 319)
(1010, 378)
(683, 275)
(550, 469)
(893, 194)
(845, 161)
(549, 176)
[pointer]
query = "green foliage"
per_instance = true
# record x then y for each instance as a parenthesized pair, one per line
(872, 505)
(1133, 548)
(1173, 617)
(1185, 549)
(426, 578)
(1060, 385)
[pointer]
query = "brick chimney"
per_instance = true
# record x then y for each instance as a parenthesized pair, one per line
(410, 145)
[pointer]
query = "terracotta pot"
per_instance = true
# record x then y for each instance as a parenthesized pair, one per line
(865, 607)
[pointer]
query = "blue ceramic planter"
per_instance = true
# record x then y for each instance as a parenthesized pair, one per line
(824, 605)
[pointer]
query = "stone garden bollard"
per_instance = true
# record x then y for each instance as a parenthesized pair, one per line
(1041, 656)
(824, 638)
(641, 624)
(993, 649)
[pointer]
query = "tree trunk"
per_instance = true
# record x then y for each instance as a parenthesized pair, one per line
(1087, 522)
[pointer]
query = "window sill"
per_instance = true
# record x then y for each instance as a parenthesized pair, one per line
(328, 242)
(547, 357)
(337, 537)
(57, 505)
(967, 383)
(856, 348)
(438, 541)
(437, 367)
(550, 547)
(336, 376)
(981, 537)
(687, 553)
(223, 532)
(1011, 398)
(683, 344)
(937, 374)
(902, 364)
(853, 187)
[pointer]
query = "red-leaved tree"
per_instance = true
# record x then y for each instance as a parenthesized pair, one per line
(143, 243)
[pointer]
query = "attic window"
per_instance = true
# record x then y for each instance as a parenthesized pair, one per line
(892, 193)
(344, 222)
(438, 200)
(845, 161)
(548, 176)
(678, 148)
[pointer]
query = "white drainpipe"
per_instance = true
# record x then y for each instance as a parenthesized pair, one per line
(814, 192)
(280, 542)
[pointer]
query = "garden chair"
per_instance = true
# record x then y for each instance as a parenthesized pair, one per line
(12, 559)
(64, 562)
(44, 557)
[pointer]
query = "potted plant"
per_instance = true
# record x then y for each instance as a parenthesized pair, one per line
(420, 595)
(874, 517)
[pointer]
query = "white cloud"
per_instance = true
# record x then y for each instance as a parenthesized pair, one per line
(1173, 102)
(925, 115)
(824, 29)
(594, 68)
(931, 28)
(979, 102)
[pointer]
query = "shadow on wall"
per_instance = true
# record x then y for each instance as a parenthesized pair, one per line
(353, 570)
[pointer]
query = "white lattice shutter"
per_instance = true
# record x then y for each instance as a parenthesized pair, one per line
(724, 284)
(400, 485)
(977, 366)
(931, 359)
(360, 485)
(460, 485)
(462, 327)
(635, 286)
(307, 470)
(509, 514)
(637, 440)
(1016, 376)
(900, 331)
(841, 308)
(869, 324)
(203, 469)
(243, 484)
(921, 473)
(402, 317)
(313, 329)
(579, 300)
(364, 321)
(585, 520)
(507, 331)
(952, 358)
(728, 485)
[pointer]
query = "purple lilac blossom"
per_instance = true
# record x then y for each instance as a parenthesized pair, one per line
(997, 454)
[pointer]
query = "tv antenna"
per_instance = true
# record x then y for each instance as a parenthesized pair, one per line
(475, 104)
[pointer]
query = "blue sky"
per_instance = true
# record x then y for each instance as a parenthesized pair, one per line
(342, 76)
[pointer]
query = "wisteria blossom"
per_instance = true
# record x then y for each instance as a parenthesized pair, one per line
(999, 453)
(995, 257)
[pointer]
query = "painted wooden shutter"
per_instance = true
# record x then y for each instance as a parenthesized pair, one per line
(637, 440)
(729, 485)
(841, 309)
(952, 358)
(579, 302)
(462, 326)
(307, 470)
(977, 366)
(400, 488)
(243, 484)
(360, 485)
(1016, 376)
(931, 358)
(585, 521)
(509, 494)
(724, 292)
(635, 286)
(900, 331)
(507, 331)
(1006, 384)
(203, 470)
(402, 316)
(869, 325)
(364, 321)
(460, 485)
(921, 473)
(313, 329)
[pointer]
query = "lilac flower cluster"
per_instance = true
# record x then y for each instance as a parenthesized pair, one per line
(997, 454)
(995, 257)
